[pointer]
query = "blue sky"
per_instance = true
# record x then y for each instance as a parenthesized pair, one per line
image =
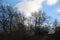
(50, 10)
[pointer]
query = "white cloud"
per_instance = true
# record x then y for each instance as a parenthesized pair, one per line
(28, 6)
(51, 2)
(58, 10)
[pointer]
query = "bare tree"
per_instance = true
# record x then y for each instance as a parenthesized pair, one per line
(39, 18)
(55, 22)
(6, 17)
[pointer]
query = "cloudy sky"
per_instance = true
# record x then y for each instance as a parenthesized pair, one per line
(50, 7)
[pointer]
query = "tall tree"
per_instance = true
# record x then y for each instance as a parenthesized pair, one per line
(55, 22)
(39, 18)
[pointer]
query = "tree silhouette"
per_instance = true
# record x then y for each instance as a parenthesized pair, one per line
(40, 17)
